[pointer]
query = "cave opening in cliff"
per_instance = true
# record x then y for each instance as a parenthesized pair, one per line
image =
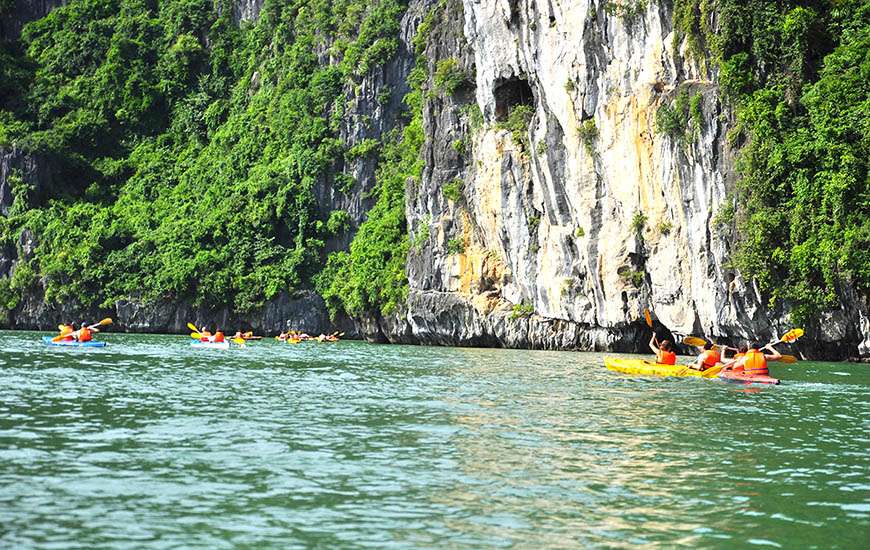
(509, 94)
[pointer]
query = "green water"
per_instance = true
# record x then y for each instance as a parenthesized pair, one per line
(147, 443)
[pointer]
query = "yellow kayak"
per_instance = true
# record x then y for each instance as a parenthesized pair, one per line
(648, 368)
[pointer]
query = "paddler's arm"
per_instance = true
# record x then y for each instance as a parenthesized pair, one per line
(652, 344)
(729, 365)
(773, 356)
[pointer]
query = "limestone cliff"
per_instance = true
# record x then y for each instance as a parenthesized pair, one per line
(592, 216)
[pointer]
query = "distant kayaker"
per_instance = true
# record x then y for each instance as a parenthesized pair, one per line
(708, 358)
(204, 335)
(66, 330)
(85, 333)
(739, 352)
(664, 352)
(218, 337)
(754, 362)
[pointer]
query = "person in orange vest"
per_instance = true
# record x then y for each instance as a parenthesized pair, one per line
(664, 352)
(204, 335)
(708, 358)
(739, 352)
(218, 336)
(84, 334)
(66, 330)
(754, 362)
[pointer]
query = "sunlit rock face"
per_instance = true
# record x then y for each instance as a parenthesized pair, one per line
(591, 215)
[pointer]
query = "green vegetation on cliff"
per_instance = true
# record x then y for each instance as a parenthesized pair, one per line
(798, 76)
(189, 151)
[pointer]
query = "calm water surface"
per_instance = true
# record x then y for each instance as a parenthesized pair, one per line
(147, 443)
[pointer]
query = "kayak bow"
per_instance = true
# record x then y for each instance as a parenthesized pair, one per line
(47, 340)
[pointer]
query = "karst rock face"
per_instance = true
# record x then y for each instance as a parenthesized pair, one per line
(594, 215)
(558, 233)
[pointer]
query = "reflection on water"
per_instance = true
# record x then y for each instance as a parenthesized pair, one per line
(149, 443)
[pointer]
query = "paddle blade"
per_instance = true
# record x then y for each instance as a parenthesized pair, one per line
(192, 327)
(694, 341)
(239, 341)
(792, 335)
(196, 335)
(59, 337)
(788, 359)
(104, 322)
(648, 317)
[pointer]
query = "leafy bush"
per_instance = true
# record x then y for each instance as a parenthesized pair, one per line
(453, 190)
(638, 222)
(517, 123)
(456, 246)
(665, 227)
(338, 222)
(588, 135)
(682, 120)
(521, 310)
(449, 76)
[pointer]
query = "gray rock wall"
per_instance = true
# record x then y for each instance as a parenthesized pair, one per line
(21, 12)
(546, 224)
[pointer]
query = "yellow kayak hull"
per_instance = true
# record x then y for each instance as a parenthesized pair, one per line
(648, 368)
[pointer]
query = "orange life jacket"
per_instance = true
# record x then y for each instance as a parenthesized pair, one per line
(709, 358)
(85, 334)
(218, 336)
(755, 363)
(666, 357)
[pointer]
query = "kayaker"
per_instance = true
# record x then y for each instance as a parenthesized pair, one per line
(66, 330)
(754, 363)
(204, 335)
(664, 352)
(84, 334)
(740, 352)
(281, 337)
(708, 358)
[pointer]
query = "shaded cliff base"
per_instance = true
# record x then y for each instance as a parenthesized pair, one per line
(427, 318)
(440, 318)
(302, 310)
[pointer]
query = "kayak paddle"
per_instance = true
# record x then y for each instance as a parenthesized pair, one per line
(789, 336)
(694, 341)
(790, 359)
(106, 321)
(648, 318)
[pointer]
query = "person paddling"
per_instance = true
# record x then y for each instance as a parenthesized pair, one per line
(664, 352)
(708, 358)
(754, 362)
(66, 330)
(218, 337)
(85, 333)
(204, 335)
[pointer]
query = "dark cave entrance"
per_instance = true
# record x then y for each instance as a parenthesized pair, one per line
(510, 93)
